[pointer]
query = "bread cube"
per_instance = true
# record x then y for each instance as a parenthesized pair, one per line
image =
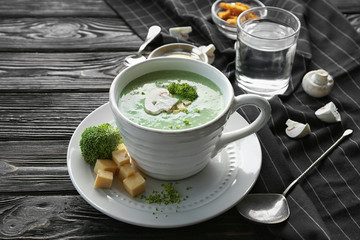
(106, 165)
(120, 157)
(122, 147)
(135, 184)
(103, 179)
(125, 171)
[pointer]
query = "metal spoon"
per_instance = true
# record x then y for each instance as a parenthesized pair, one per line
(270, 208)
(138, 57)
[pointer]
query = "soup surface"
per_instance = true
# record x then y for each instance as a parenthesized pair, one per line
(204, 108)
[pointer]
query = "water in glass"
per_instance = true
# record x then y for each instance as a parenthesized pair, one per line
(264, 57)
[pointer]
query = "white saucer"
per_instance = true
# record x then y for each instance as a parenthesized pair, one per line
(217, 188)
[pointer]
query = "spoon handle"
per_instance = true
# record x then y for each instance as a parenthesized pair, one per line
(346, 133)
(152, 33)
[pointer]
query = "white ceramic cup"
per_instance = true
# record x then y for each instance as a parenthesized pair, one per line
(177, 154)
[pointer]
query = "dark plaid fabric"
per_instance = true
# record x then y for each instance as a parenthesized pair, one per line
(347, 6)
(325, 204)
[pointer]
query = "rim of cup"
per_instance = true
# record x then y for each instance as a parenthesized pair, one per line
(265, 9)
(228, 95)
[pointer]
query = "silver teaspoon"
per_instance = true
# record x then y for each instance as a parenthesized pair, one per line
(138, 57)
(270, 208)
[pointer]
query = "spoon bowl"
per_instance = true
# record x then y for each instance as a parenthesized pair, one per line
(271, 208)
(275, 211)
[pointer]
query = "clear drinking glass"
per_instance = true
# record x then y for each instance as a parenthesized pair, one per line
(265, 50)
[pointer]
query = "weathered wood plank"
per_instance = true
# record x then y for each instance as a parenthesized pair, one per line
(66, 34)
(45, 217)
(45, 115)
(59, 8)
(92, 71)
(34, 166)
(35, 179)
(39, 166)
(17, 154)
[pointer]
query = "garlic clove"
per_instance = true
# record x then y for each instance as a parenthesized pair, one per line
(296, 129)
(317, 83)
(328, 113)
(180, 32)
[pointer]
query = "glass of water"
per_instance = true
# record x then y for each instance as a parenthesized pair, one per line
(265, 50)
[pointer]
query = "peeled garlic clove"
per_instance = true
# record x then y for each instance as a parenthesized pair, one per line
(328, 113)
(317, 83)
(159, 100)
(296, 129)
(180, 32)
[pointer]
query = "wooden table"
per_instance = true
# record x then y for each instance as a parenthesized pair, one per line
(57, 61)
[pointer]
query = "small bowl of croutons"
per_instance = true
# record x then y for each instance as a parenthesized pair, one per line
(224, 13)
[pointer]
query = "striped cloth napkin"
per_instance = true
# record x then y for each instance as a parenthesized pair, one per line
(347, 6)
(325, 204)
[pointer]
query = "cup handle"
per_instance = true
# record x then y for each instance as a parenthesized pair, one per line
(257, 124)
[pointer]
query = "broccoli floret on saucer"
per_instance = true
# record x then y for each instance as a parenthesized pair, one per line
(99, 142)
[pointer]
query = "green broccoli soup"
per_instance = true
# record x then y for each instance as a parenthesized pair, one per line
(171, 99)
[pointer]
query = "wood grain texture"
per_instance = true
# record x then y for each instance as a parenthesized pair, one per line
(34, 166)
(66, 34)
(46, 72)
(59, 216)
(51, 8)
(45, 115)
